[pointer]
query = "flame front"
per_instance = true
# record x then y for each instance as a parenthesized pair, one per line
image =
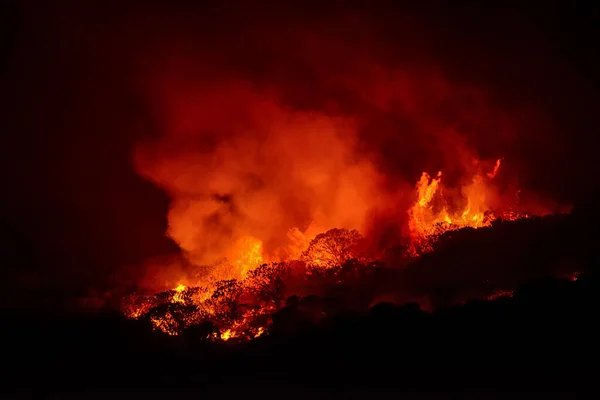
(253, 180)
(432, 215)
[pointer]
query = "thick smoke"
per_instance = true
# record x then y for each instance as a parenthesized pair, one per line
(394, 92)
(311, 128)
(248, 165)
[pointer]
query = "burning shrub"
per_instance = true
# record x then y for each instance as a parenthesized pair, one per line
(332, 248)
(226, 300)
(172, 318)
(242, 309)
(267, 282)
(136, 305)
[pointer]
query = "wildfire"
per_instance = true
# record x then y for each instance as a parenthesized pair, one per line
(228, 334)
(247, 254)
(432, 215)
(173, 311)
(178, 296)
(263, 171)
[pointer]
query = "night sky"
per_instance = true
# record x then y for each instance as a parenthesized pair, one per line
(73, 77)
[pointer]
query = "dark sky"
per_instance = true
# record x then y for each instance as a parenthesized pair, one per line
(70, 74)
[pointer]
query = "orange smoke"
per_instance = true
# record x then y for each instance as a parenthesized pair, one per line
(272, 170)
(253, 180)
(255, 168)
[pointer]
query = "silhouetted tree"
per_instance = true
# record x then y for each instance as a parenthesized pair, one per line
(199, 332)
(267, 282)
(292, 301)
(226, 299)
(332, 248)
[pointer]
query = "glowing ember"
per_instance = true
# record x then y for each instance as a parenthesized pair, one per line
(573, 277)
(500, 294)
(228, 334)
(166, 323)
(178, 296)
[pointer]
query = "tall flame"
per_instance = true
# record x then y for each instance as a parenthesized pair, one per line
(432, 214)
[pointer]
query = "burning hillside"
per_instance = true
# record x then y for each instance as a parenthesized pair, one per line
(275, 184)
(270, 200)
(344, 191)
(432, 216)
(256, 283)
(258, 185)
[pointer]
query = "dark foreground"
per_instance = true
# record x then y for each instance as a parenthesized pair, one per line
(544, 338)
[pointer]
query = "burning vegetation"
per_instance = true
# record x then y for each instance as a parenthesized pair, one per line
(431, 215)
(306, 190)
(241, 306)
(280, 189)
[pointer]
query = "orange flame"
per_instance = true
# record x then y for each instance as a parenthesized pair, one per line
(247, 254)
(431, 214)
